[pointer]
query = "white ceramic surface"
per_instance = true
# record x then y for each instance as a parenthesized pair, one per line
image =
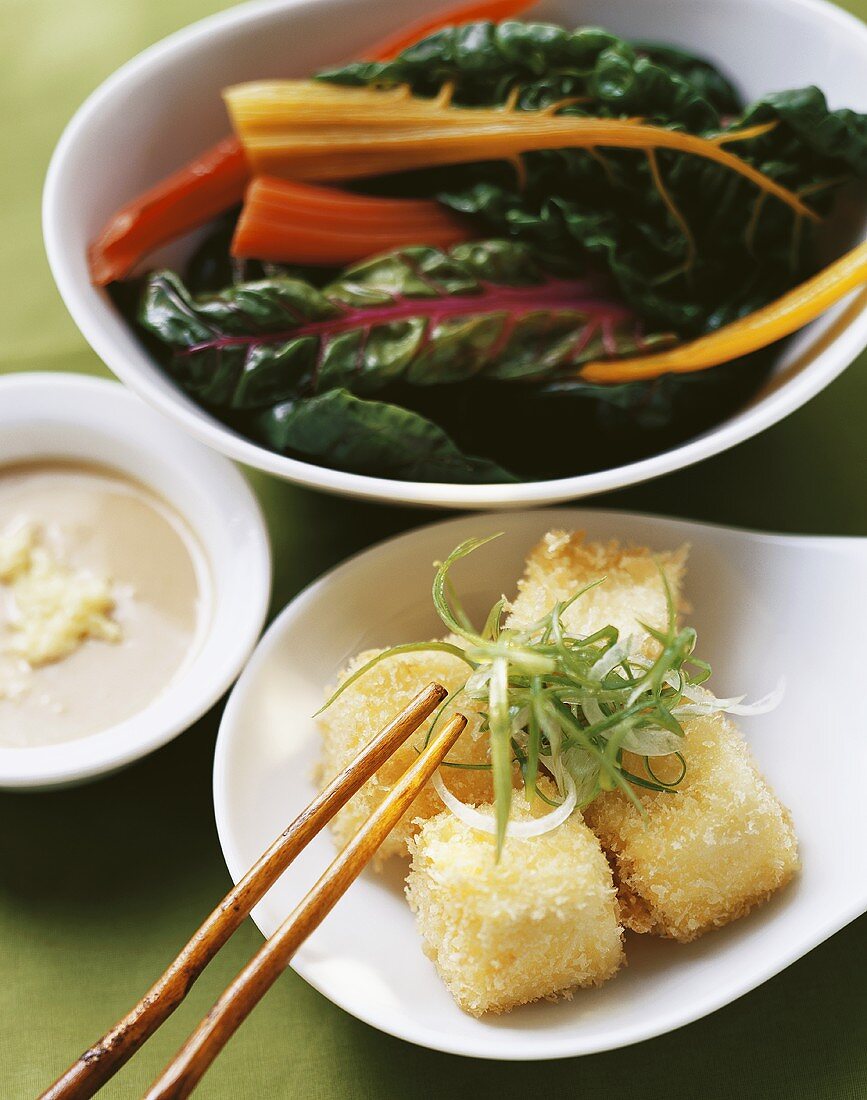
(764, 605)
(164, 106)
(90, 420)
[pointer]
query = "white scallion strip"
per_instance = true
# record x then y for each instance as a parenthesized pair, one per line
(477, 682)
(616, 655)
(520, 830)
(592, 711)
(652, 742)
(702, 702)
(520, 718)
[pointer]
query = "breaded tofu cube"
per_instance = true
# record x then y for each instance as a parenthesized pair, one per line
(633, 590)
(723, 843)
(706, 855)
(537, 924)
(366, 708)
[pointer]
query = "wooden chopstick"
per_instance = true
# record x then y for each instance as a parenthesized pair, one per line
(185, 1071)
(101, 1061)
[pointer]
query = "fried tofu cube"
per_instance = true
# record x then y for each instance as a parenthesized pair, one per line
(722, 843)
(538, 923)
(632, 590)
(367, 707)
(705, 855)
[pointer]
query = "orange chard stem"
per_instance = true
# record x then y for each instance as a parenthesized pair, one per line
(298, 223)
(211, 183)
(305, 130)
(215, 180)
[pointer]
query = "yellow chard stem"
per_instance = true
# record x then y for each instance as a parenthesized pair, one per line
(767, 325)
(307, 130)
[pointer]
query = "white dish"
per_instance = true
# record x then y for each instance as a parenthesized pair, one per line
(367, 957)
(44, 416)
(164, 106)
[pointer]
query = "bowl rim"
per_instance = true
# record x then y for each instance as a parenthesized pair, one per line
(754, 418)
(246, 559)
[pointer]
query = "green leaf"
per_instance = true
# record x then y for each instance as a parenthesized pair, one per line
(702, 75)
(419, 316)
(737, 252)
(812, 137)
(486, 61)
(370, 437)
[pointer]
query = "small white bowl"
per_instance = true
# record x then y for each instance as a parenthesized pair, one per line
(45, 416)
(165, 105)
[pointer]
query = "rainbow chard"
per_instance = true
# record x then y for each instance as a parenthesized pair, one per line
(419, 317)
(484, 62)
(297, 366)
(689, 244)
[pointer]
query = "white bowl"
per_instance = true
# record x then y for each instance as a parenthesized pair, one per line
(85, 419)
(164, 106)
(367, 957)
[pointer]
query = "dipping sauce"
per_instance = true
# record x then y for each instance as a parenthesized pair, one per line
(104, 588)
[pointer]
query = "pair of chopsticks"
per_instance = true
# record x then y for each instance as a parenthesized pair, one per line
(90, 1072)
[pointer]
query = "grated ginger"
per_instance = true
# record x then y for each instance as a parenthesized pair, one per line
(16, 547)
(53, 608)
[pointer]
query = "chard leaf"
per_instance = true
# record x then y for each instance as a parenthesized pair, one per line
(485, 61)
(689, 246)
(370, 437)
(703, 76)
(812, 140)
(417, 316)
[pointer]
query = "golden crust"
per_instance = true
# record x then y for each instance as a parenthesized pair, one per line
(536, 925)
(364, 709)
(632, 590)
(706, 855)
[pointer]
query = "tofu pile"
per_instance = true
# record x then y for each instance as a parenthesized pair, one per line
(550, 916)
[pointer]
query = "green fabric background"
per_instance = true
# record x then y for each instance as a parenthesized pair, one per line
(99, 886)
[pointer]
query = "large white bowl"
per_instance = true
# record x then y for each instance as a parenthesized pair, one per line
(45, 416)
(165, 105)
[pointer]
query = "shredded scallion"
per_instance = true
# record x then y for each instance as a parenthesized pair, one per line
(566, 703)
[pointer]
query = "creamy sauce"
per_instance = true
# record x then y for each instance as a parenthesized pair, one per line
(99, 523)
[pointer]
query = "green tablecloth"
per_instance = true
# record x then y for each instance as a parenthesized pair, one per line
(100, 885)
